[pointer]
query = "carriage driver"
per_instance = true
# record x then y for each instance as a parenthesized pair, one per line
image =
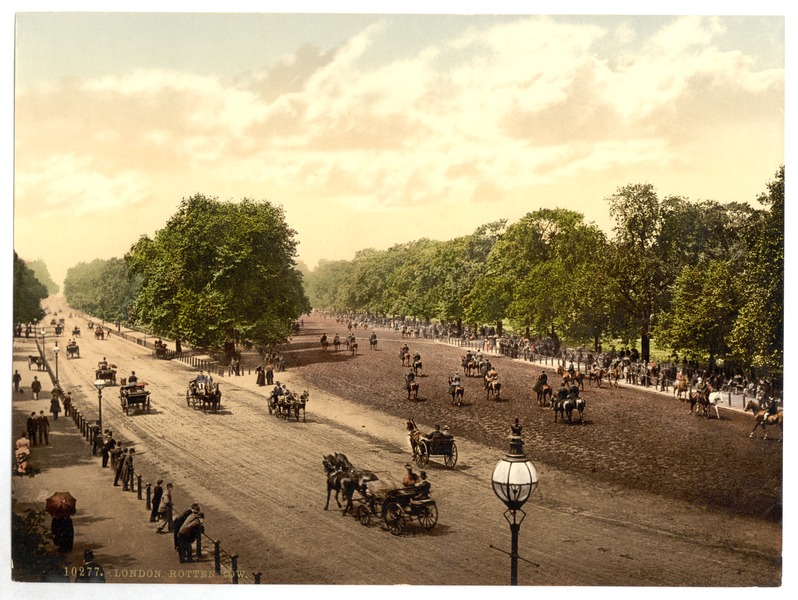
(103, 364)
(132, 380)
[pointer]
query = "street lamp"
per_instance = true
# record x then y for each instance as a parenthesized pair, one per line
(100, 384)
(514, 479)
(56, 350)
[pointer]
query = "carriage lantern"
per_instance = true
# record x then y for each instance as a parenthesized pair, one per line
(514, 479)
(56, 350)
(100, 384)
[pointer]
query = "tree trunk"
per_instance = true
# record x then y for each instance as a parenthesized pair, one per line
(459, 326)
(645, 347)
(499, 327)
(178, 347)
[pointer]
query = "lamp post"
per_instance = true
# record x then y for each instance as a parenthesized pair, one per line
(514, 479)
(56, 350)
(100, 384)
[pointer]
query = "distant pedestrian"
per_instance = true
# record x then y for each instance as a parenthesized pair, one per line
(90, 571)
(17, 379)
(43, 426)
(67, 404)
(22, 453)
(269, 375)
(36, 387)
(157, 494)
(55, 408)
(163, 510)
(96, 439)
(33, 428)
(109, 443)
(120, 465)
(116, 456)
(127, 471)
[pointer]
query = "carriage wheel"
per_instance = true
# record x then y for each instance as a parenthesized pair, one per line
(422, 458)
(428, 515)
(148, 404)
(450, 460)
(394, 518)
(364, 515)
(125, 406)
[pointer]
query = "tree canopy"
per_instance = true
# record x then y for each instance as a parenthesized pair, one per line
(102, 288)
(218, 272)
(28, 294)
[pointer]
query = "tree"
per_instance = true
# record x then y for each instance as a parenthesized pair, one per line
(39, 269)
(28, 294)
(218, 272)
(758, 334)
(102, 288)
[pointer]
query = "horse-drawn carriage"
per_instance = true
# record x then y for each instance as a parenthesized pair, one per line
(107, 373)
(397, 505)
(76, 331)
(161, 351)
(379, 498)
(134, 396)
(204, 395)
(288, 405)
(436, 443)
(72, 350)
(90, 325)
(99, 333)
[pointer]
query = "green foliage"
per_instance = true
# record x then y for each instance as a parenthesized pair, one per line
(220, 271)
(33, 557)
(102, 288)
(42, 273)
(758, 335)
(28, 294)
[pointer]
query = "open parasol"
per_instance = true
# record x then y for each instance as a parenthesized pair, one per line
(61, 504)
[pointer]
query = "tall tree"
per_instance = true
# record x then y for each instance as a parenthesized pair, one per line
(28, 294)
(758, 335)
(102, 288)
(218, 272)
(42, 273)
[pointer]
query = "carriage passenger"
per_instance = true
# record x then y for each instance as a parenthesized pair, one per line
(103, 364)
(132, 380)
(410, 478)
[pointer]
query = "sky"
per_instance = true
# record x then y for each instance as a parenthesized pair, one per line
(376, 128)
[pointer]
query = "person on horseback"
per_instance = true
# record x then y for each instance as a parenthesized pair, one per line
(454, 382)
(373, 338)
(543, 379)
(336, 340)
(410, 378)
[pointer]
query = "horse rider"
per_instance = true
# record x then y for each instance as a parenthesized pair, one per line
(454, 382)
(410, 377)
(491, 375)
(701, 387)
(373, 338)
(543, 379)
(416, 358)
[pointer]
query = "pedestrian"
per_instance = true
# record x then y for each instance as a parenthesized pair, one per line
(22, 453)
(163, 510)
(36, 387)
(188, 533)
(120, 464)
(33, 428)
(63, 532)
(43, 426)
(17, 379)
(55, 407)
(109, 443)
(116, 456)
(178, 522)
(96, 439)
(90, 571)
(269, 374)
(67, 404)
(157, 494)
(127, 471)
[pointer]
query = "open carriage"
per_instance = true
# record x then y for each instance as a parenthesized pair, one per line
(289, 405)
(206, 396)
(436, 443)
(107, 373)
(72, 350)
(76, 331)
(134, 397)
(396, 505)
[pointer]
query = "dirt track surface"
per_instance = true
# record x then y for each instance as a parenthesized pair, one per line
(636, 493)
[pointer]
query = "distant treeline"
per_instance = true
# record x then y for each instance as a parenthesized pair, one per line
(704, 279)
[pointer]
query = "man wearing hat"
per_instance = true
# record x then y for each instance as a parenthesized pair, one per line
(178, 522)
(163, 509)
(90, 571)
(189, 531)
(157, 494)
(109, 443)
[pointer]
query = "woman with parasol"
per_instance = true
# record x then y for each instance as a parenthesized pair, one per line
(61, 506)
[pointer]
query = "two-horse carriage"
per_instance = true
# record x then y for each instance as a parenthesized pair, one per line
(76, 331)
(72, 350)
(134, 396)
(386, 499)
(436, 443)
(567, 401)
(204, 395)
(35, 360)
(288, 405)
(99, 333)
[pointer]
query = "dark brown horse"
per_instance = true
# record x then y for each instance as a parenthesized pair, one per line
(345, 479)
(543, 390)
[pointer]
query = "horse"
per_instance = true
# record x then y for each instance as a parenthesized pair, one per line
(542, 390)
(35, 360)
(417, 366)
(345, 479)
(596, 375)
(458, 394)
(99, 333)
(575, 402)
(493, 390)
(352, 347)
(763, 419)
(373, 343)
(412, 388)
(558, 406)
(211, 397)
(404, 356)
(336, 344)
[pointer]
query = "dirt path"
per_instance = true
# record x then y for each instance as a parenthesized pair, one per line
(262, 487)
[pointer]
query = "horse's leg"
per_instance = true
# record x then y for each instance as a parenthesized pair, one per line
(329, 489)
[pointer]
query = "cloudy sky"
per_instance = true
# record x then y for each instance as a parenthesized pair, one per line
(374, 129)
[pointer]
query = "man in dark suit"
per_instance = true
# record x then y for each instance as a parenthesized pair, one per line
(157, 494)
(33, 428)
(109, 443)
